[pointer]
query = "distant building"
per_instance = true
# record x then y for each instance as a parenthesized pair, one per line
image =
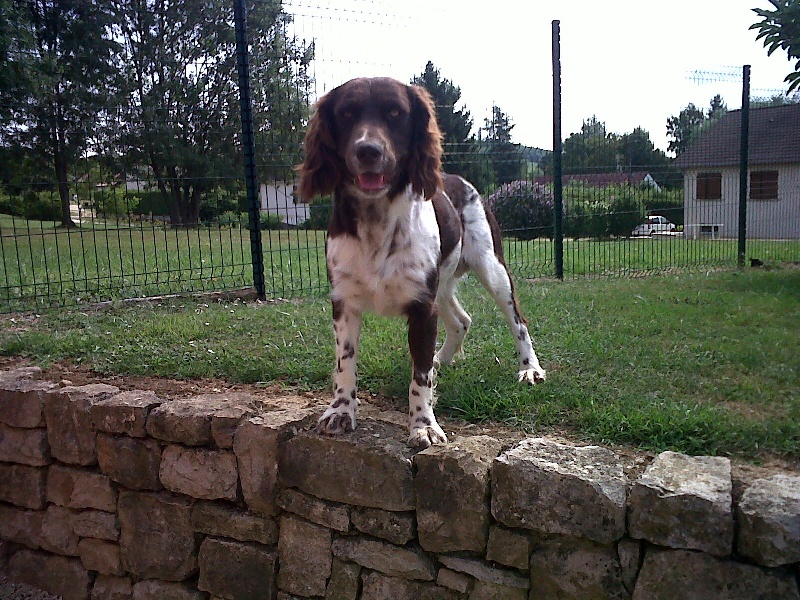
(710, 168)
(278, 198)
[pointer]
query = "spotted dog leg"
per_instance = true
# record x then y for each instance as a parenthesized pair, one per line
(423, 430)
(340, 416)
(456, 324)
(495, 278)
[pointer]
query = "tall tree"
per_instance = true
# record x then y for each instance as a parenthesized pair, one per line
(780, 30)
(683, 127)
(591, 149)
(504, 155)
(717, 108)
(460, 145)
(181, 114)
(68, 76)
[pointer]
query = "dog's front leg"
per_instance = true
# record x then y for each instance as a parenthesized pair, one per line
(423, 430)
(340, 416)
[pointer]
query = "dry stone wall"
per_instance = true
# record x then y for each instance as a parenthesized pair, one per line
(110, 496)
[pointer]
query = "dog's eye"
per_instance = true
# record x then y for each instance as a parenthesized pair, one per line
(394, 112)
(347, 114)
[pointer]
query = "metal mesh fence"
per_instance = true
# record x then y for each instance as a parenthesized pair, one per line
(122, 172)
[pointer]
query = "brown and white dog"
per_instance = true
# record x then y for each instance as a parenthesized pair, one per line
(401, 235)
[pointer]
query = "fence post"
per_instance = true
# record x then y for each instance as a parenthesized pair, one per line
(558, 190)
(249, 148)
(743, 151)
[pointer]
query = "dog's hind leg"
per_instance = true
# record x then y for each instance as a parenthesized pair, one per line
(340, 416)
(494, 276)
(456, 323)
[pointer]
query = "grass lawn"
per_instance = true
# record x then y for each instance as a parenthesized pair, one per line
(703, 363)
(41, 265)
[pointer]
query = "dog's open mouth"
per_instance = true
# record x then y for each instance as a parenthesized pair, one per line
(371, 181)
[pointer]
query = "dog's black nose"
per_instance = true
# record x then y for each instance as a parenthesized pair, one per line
(368, 152)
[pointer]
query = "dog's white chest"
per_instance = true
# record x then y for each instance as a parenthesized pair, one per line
(389, 264)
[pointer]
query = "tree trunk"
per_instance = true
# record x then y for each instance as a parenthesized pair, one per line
(60, 162)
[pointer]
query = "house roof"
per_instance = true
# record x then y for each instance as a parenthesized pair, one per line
(774, 139)
(600, 179)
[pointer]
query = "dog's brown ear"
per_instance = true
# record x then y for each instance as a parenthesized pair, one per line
(322, 168)
(425, 157)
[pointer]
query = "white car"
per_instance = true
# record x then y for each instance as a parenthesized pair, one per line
(655, 224)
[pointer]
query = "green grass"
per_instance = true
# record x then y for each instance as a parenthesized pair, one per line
(699, 363)
(42, 265)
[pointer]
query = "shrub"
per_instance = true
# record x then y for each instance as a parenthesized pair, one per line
(151, 202)
(115, 205)
(41, 206)
(523, 209)
(602, 212)
(319, 213)
(231, 219)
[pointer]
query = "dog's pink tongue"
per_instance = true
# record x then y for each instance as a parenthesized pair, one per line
(371, 181)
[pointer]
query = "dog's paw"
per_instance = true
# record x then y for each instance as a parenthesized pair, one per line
(532, 376)
(335, 421)
(424, 437)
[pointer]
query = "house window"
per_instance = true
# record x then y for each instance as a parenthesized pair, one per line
(763, 185)
(709, 186)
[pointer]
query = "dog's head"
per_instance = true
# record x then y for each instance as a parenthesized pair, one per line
(374, 136)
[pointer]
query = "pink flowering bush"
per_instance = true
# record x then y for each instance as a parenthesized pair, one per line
(524, 209)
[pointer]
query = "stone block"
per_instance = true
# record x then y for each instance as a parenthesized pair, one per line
(96, 524)
(492, 591)
(574, 569)
(108, 587)
(157, 540)
(684, 502)
(133, 463)
(304, 552)
(126, 413)
(369, 467)
(509, 547)
(58, 575)
(21, 526)
(24, 446)
(256, 444)
(23, 485)
(237, 571)
(67, 412)
(670, 574)
(405, 563)
(630, 558)
(78, 488)
(483, 571)
(328, 514)
(555, 488)
(199, 472)
(452, 486)
(225, 421)
(154, 589)
(223, 520)
(396, 527)
(58, 534)
(22, 400)
(344, 581)
(377, 586)
(453, 580)
(769, 521)
(100, 556)
(188, 421)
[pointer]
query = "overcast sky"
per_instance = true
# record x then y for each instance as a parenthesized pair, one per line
(629, 62)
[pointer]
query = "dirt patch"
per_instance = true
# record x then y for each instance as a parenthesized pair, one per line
(392, 410)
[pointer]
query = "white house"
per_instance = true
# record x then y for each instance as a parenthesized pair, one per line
(277, 197)
(710, 169)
